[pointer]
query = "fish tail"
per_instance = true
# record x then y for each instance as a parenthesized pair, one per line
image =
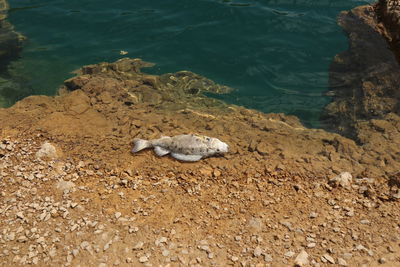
(140, 144)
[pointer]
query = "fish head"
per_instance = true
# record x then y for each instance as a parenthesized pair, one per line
(218, 146)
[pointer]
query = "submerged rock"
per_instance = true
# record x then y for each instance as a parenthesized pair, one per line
(365, 82)
(10, 40)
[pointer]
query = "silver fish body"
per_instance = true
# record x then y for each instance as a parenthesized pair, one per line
(185, 147)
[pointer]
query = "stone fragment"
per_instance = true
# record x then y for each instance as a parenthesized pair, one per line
(107, 245)
(342, 262)
(165, 252)
(85, 244)
(75, 252)
(216, 173)
(301, 259)
(311, 245)
(263, 148)
(329, 258)
(20, 215)
(257, 252)
(206, 171)
(47, 151)
(133, 229)
(234, 258)
(344, 179)
(382, 260)
(160, 241)
(267, 257)
(143, 259)
(138, 245)
(289, 254)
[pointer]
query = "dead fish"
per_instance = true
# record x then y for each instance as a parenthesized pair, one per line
(184, 147)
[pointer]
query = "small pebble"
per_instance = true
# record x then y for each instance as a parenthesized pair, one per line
(257, 252)
(143, 259)
(342, 262)
(311, 245)
(382, 260)
(329, 258)
(289, 254)
(302, 259)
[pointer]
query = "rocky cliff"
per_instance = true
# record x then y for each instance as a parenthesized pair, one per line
(388, 14)
(365, 81)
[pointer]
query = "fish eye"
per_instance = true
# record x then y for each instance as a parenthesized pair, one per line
(218, 150)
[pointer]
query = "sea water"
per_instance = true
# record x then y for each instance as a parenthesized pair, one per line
(275, 53)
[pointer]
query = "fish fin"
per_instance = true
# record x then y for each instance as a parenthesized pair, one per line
(140, 144)
(184, 157)
(161, 151)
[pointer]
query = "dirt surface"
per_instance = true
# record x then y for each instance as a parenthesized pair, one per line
(72, 194)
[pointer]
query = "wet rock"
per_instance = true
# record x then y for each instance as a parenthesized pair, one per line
(191, 83)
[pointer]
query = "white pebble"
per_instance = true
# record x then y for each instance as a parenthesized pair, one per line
(143, 259)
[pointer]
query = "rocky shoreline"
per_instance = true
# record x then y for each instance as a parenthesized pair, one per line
(10, 40)
(388, 13)
(73, 194)
(11, 43)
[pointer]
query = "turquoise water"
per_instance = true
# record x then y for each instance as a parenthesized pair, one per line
(275, 53)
